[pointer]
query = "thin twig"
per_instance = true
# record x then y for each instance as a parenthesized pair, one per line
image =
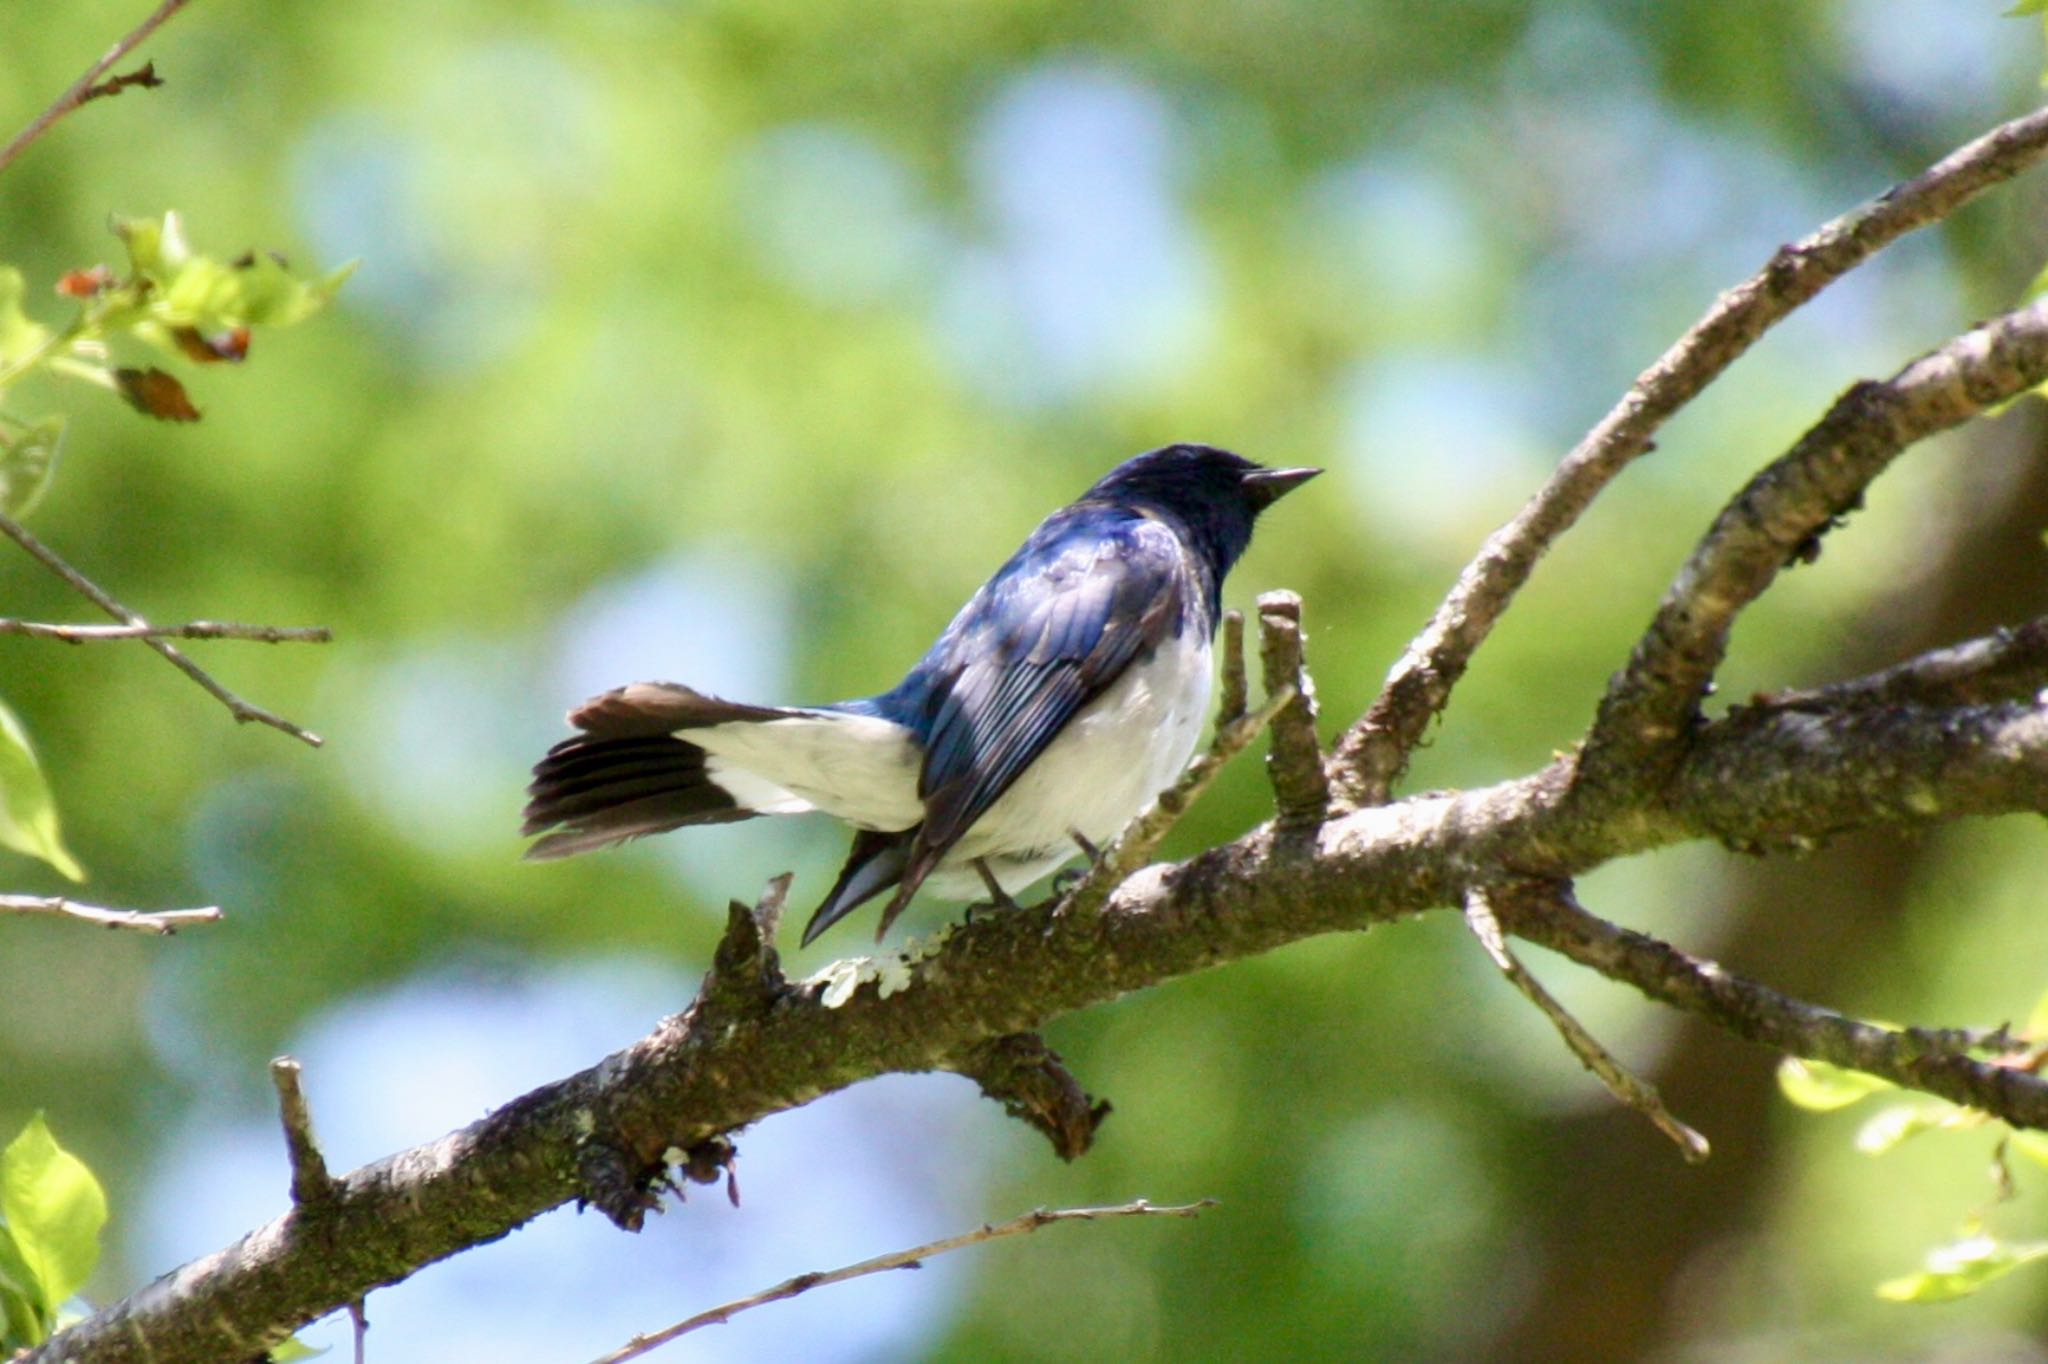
(1933, 1060)
(162, 922)
(198, 629)
(912, 1258)
(1294, 761)
(88, 86)
(361, 1324)
(1372, 756)
(1651, 707)
(312, 1185)
(242, 710)
(1623, 1083)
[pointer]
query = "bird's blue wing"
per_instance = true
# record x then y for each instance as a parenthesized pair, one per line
(1081, 601)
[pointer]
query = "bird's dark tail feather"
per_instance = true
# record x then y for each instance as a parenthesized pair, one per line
(875, 864)
(596, 791)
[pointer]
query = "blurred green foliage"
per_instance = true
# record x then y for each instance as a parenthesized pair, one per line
(816, 308)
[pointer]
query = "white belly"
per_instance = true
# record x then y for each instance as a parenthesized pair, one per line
(1120, 751)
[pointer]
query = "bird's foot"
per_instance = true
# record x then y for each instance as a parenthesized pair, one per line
(997, 897)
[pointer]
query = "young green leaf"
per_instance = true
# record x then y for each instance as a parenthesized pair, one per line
(1961, 1268)
(27, 459)
(25, 1319)
(2030, 1143)
(1818, 1086)
(18, 335)
(54, 1210)
(293, 1350)
(28, 815)
(1896, 1122)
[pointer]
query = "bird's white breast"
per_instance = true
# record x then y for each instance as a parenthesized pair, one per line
(1113, 757)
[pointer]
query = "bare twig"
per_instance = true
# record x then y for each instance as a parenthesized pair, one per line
(89, 86)
(360, 1324)
(312, 1185)
(1934, 1061)
(162, 922)
(912, 1258)
(1372, 756)
(198, 629)
(242, 710)
(1294, 762)
(1623, 1083)
(1652, 706)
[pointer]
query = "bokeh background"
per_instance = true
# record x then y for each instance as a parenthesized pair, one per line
(736, 343)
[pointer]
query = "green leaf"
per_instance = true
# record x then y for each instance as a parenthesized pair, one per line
(1891, 1125)
(18, 334)
(1961, 1268)
(24, 1318)
(294, 1349)
(2030, 1143)
(27, 460)
(54, 1209)
(2026, 7)
(28, 815)
(1823, 1088)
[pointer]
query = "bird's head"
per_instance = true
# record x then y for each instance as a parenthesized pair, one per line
(1215, 494)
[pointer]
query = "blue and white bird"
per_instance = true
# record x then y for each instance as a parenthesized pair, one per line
(1068, 692)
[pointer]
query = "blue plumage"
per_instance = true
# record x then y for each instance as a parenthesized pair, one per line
(1063, 696)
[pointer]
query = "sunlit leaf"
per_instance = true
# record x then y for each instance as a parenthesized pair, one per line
(294, 1349)
(18, 334)
(2030, 1143)
(27, 459)
(1891, 1125)
(2025, 7)
(24, 1318)
(54, 1210)
(28, 814)
(154, 393)
(1821, 1087)
(1961, 1268)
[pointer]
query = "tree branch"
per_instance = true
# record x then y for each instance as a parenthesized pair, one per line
(243, 711)
(1374, 753)
(1651, 708)
(162, 922)
(89, 86)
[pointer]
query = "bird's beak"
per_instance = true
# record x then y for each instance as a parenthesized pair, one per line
(1267, 486)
